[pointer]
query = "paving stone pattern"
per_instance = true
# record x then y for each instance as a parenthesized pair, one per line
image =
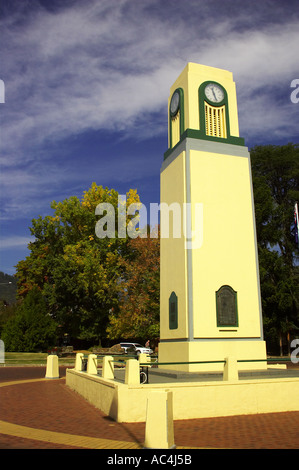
(50, 406)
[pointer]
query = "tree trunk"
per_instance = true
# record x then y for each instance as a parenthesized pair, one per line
(280, 343)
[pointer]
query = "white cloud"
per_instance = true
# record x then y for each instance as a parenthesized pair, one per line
(97, 67)
(109, 64)
(15, 242)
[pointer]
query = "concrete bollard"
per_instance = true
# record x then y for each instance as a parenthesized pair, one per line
(143, 358)
(230, 371)
(52, 371)
(108, 368)
(132, 374)
(79, 361)
(92, 364)
(159, 432)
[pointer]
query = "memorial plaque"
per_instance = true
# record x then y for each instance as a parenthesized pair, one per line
(226, 303)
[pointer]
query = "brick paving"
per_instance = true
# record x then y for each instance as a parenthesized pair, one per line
(50, 406)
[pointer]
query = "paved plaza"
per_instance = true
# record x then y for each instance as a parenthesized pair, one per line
(36, 413)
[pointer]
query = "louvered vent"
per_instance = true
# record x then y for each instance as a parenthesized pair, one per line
(215, 121)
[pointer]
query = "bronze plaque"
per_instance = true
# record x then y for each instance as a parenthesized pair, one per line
(226, 300)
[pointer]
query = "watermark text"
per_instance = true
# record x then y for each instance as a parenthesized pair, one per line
(295, 352)
(294, 97)
(176, 221)
(2, 91)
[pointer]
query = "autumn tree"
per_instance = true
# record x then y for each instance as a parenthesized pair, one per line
(139, 308)
(77, 272)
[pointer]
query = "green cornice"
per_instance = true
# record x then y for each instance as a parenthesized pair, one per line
(201, 135)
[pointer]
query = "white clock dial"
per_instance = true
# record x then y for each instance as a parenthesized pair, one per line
(174, 104)
(214, 93)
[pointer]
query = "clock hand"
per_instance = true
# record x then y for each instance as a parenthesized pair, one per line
(214, 94)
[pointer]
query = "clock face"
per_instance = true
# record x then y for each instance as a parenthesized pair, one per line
(174, 104)
(214, 93)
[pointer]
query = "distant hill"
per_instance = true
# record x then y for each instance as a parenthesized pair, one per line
(8, 288)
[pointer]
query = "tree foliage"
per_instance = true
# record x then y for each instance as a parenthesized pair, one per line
(8, 288)
(76, 272)
(31, 328)
(139, 308)
(275, 172)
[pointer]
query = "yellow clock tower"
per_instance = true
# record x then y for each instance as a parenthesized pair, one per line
(210, 292)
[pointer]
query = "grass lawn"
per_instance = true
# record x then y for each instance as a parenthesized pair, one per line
(38, 359)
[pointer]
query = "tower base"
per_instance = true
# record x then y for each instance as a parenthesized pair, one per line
(199, 355)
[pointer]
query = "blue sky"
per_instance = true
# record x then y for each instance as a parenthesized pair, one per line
(87, 83)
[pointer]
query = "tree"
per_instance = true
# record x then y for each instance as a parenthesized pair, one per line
(139, 309)
(77, 272)
(275, 172)
(8, 288)
(31, 328)
(7, 311)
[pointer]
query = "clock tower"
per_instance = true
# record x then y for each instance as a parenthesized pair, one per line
(210, 306)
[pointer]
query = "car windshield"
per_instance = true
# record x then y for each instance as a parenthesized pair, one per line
(138, 345)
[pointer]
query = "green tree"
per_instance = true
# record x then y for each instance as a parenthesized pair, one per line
(6, 312)
(31, 328)
(76, 271)
(275, 172)
(8, 288)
